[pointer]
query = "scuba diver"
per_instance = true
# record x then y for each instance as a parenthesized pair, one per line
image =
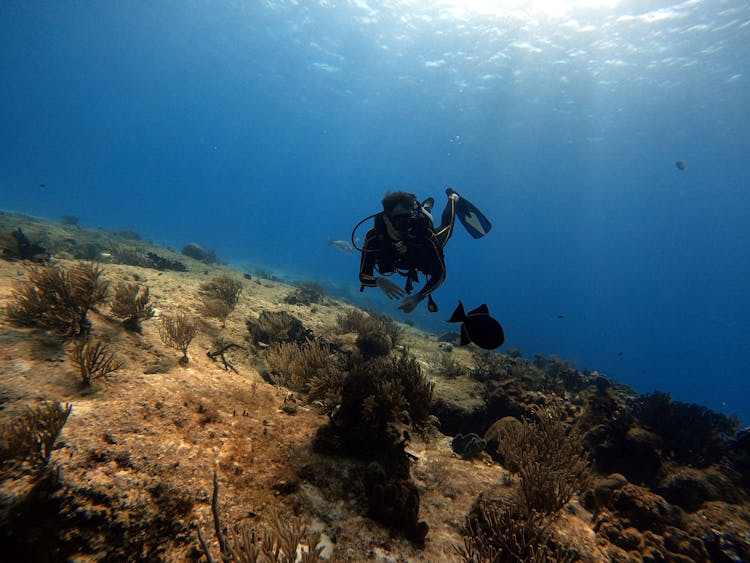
(405, 240)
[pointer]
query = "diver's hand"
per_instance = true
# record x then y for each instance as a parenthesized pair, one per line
(410, 303)
(391, 290)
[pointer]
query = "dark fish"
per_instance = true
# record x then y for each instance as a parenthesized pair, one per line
(560, 316)
(478, 327)
(42, 185)
(680, 164)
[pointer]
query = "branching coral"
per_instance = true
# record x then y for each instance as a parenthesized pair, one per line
(162, 263)
(131, 303)
(395, 397)
(387, 324)
(286, 540)
(448, 367)
(295, 365)
(93, 360)
(369, 322)
(489, 366)
(306, 293)
(325, 389)
(277, 326)
(382, 400)
(17, 246)
(178, 332)
(498, 532)
(355, 320)
(376, 332)
(694, 434)
(550, 458)
(58, 299)
(32, 437)
(139, 255)
(129, 254)
(221, 349)
(220, 296)
(559, 375)
(197, 252)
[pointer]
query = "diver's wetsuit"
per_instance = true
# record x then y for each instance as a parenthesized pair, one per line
(423, 251)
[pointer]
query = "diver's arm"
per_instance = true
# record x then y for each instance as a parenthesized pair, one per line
(436, 277)
(434, 281)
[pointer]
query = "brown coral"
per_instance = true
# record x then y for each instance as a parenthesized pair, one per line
(306, 293)
(32, 437)
(549, 457)
(502, 533)
(93, 360)
(277, 326)
(295, 365)
(58, 299)
(131, 303)
(178, 332)
(220, 296)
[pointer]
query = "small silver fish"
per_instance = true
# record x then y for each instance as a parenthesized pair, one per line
(341, 245)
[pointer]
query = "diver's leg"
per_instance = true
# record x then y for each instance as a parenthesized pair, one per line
(447, 221)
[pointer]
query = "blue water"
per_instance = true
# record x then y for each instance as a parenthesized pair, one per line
(258, 129)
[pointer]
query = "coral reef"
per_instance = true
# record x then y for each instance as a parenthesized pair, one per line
(31, 437)
(374, 344)
(177, 331)
(295, 365)
(129, 254)
(394, 500)
(222, 348)
(325, 388)
(306, 293)
(502, 532)
(368, 321)
(448, 367)
(93, 360)
(161, 263)
(348, 448)
(197, 252)
(127, 234)
(690, 433)
(286, 540)
(277, 326)
(219, 297)
(131, 303)
(468, 446)
(382, 401)
(549, 457)
(58, 299)
(17, 246)
(139, 255)
(376, 333)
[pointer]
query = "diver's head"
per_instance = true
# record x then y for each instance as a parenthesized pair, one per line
(401, 209)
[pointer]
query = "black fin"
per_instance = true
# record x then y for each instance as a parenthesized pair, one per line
(464, 336)
(481, 310)
(473, 220)
(458, 315)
